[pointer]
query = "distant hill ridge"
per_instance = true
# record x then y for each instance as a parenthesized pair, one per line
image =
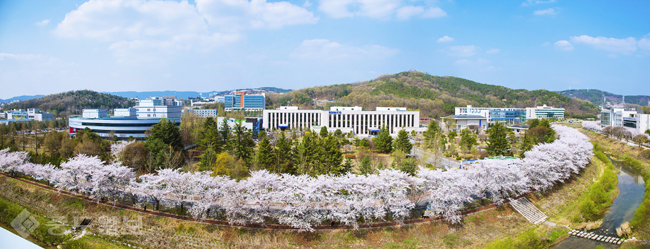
(72, 102)
(147, 94)
(433, 95)
(595, 96)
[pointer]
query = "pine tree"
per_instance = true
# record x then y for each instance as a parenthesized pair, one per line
(242, 142)
(224, 133)
(266, 156)
(497, 141)
(347, 166)
(527, 144)
(402, 143)
(323, 132)
(207, 160)
(284, 155)
(383, 141)
(431, 133)
(333, 156)
(167, 132)
(365, 168)
(467, 139)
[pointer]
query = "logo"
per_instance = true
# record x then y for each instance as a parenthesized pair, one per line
(335, 112)
(25, 223)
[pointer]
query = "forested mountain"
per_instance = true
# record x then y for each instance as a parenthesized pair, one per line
(433, 95)
(595, 96)
(72, 102)
(20, 98)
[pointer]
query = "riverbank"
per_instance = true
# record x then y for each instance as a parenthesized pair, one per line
(632, 156)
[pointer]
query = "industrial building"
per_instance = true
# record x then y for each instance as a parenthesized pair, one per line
(32, 114)
(483, 116)
(126, 122)
(346, 119)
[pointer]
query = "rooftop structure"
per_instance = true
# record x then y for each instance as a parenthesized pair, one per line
(346, 119)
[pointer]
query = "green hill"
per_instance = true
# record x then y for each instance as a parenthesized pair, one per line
(433, 95)
(595, 96)
(72, 102)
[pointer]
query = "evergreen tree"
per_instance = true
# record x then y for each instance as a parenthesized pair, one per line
(241, 142)
(365, 168)
(452, 135)
(527, 144)
(380, 166)
(207, 160)
(431, 133)
(167, 132)
(224, 133)
(266, 156)
(467, 139)
(209, 135)
(323, 132)
(284, 155)
(338, 133)
(383, 141)
(497, 141)
(402, 143)
(332, 156)
(347, 166)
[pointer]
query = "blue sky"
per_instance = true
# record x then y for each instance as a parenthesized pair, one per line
(204, 45)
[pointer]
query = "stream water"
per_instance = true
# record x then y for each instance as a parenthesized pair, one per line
(631, 187)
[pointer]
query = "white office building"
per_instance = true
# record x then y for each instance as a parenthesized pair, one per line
(619, 117)
(347, 119)
(542, 112)
(126, 122)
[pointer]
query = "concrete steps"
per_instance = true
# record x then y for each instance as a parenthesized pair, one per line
(528, 210)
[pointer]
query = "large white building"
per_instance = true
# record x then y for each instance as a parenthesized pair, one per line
(619, 117)
(347, 119)
(126, 122)
(542, 112)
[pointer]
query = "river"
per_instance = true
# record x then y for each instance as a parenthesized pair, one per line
(631, 187)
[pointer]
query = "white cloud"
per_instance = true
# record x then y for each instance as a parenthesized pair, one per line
(306, 4)
(43, 23)
(445, 39)
(493, 51)
(563, 45)
(546, 12)
(434, 13)
(625, 46)
(534, 2)
(324, 49)
(237, 14)
(146, 27)
(380, 9)
(407, 12)
(645, 43)
(546, 44)
(466, 62)
(462, 51)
